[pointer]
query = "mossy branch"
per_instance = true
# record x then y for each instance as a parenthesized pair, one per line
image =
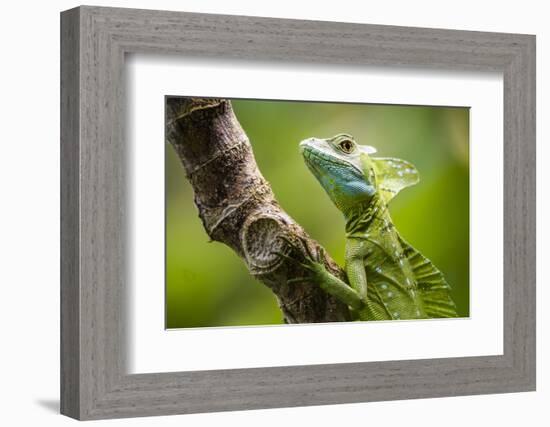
(237, 206)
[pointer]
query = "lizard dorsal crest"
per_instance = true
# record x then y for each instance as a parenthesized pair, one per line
(368, 149)
(392, 175)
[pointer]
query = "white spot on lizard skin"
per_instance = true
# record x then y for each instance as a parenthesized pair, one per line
(383, 286)
(390, 294)
(418, 312)
(400, 173)
(378, 270)
(396, 315)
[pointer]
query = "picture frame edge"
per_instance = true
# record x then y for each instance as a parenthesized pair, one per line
(94, 384)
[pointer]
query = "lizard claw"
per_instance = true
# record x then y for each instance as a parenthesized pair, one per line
(297, 280)
(320, 254)
(286, 256)
(295, 247)
(291, 259)
(311, 260)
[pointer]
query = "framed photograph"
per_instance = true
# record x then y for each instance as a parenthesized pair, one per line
(263, 213)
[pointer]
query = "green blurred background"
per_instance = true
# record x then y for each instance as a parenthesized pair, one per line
(208, 285)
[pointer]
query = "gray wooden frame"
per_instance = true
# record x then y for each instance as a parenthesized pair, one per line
(94, 382)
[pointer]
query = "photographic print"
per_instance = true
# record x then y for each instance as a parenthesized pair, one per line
(282, 212)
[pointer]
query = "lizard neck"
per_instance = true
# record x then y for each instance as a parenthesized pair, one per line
(360, 216)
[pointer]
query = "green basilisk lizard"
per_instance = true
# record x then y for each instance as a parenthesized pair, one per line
(388, 278)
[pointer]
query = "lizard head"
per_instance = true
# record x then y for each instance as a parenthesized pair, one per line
(339, 165)
(350, 176)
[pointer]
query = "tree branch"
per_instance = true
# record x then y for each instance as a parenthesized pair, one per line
(238, 208)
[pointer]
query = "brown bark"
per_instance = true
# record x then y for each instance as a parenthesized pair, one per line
(238, 208)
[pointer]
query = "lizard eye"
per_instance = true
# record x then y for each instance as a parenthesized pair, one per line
(347, 146)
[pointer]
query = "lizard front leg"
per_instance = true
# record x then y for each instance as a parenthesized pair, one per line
(317, 272)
